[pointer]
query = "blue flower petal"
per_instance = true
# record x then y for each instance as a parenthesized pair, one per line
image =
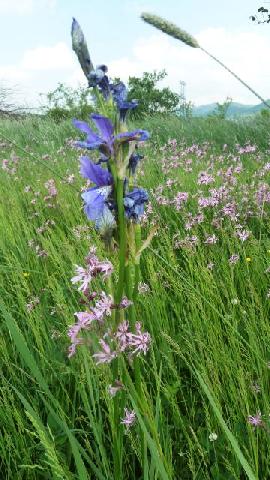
(119, 92)
(94, 203)
(135, 135)
(134, 159)
(134, 203)
(89, 146)
(105, 127)
(94, 172)
(92, 137)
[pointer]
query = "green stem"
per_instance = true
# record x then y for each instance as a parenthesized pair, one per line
(138, 241)
(116, 434)
(131, 310)
(122, 238)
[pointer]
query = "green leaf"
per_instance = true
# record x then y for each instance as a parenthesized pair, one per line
(226, 430)
(29, 360)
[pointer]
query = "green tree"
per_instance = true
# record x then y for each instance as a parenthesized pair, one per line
(151, 98)
(65, 102)
(222, 109)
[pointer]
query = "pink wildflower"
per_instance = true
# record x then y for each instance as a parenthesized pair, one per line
(243, 235)
(122, 335)
(32, 304)
(205, 179)
(103, 306)
(179, 199)
(256, 420)
(113, 389)
(50, 185)
(106, 355)
(96, 266)
(234, 259)
(84, 321)
(129, 418)
(125, 303)
(72, 347)
(211, 240)
(84, 276)
(141, 341)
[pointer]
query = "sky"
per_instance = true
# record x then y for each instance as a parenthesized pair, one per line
(36, 51)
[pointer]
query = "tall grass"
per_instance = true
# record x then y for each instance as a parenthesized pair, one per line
(56, 415)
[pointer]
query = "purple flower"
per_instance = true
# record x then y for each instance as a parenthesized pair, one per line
(211, 240)
(125, 303)
(103, 306)
(179, 199)
(256, 420)
(134, 159)
(73, 346)
(122, 334)
(97, 266)
(106, 355)
(94, 172)
(84, 276)
(205, 179)
(234, 259)
(113, 389)
(95, 198)
(50, 185)
(94, 267)
(139, 341)
(129, 418)
(98, 78)
(105, 141)
(32, 304)
(84, 321)
(243, 235)
(102, 141)
(134, 203)
(120, 93)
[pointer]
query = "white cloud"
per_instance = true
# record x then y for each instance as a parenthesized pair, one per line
(40, 70)
(245, 53)
(56, 57)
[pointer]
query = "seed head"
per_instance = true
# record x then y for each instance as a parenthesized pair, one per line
(170, 28)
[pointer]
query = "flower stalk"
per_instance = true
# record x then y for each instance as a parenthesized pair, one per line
(116, 205)
(122, 239)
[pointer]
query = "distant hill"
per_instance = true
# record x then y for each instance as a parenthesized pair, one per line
(235, 109)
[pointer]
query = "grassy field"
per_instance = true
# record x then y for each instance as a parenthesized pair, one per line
(204, 408)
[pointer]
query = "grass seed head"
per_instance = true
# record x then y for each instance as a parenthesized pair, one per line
(170, 28)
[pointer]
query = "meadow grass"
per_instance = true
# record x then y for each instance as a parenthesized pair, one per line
(208, 367)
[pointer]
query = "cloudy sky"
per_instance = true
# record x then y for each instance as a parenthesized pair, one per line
(36, 49)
